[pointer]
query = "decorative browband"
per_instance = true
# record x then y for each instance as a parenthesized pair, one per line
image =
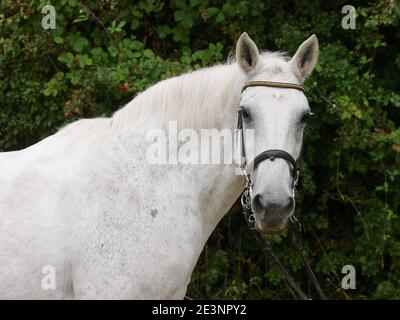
(273, 84)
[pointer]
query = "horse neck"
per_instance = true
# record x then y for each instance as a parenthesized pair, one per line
(218, 186)
(215, 187)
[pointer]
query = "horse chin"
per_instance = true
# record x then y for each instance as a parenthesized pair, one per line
(265, 228)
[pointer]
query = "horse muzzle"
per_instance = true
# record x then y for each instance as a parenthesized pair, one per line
(271, 217)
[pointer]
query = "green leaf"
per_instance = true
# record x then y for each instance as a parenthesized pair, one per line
(83, 16)
(136, 45)
(187, 22)
(79, 44)
(113, 51)
(58, 40)
(53, 87)
(212, 11)
(72, 3)
(229, 9)
(66, 58)
(74, 76)
(148, 53)
(135, 24)
(96, 51)
(220, 17)
(84, 60)
(163, 31)
(179, 15)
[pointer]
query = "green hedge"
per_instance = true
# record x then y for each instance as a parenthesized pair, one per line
(103, 52)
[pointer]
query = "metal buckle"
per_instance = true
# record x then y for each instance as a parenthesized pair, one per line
(252, 218)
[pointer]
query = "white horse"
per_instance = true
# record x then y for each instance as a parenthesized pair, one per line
(85, 209)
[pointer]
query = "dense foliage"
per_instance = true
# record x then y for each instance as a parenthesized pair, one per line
(103, 52)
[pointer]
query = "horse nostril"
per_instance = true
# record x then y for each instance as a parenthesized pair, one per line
(257, 204)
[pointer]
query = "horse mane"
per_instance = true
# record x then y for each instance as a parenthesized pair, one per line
(195, 100)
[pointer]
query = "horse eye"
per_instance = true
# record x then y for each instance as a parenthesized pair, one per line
(244, 113)
(306, 117)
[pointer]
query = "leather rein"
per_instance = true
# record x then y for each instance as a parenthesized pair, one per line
(247, 195)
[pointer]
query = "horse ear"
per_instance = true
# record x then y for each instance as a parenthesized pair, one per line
(247, 54)
(306, 57)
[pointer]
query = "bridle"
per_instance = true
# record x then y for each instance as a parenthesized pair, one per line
(268, 154)
(246, 196)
